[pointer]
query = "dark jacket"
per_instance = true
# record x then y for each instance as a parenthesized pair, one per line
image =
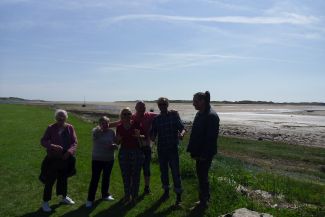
(204, 135)
(50, 167)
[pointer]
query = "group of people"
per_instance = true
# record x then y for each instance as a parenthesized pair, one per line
(133, 138)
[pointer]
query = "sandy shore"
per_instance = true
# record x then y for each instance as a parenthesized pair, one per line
(293, 124)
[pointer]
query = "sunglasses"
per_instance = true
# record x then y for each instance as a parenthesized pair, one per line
(126, 114)
(162, 104)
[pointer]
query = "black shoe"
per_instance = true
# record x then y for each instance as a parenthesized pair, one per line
(147, 190)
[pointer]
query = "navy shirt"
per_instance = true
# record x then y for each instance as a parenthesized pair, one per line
(167, 127)
(204, 135)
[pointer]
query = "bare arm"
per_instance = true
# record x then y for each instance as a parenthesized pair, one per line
(114, 124)
(181, 134)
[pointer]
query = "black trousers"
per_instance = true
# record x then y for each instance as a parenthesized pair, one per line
(56, 171)
(202, 172)
(97, 168)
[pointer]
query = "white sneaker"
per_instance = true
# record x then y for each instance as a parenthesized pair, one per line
(109, 198)
(89, 204)
(67, 200)
(46, 207)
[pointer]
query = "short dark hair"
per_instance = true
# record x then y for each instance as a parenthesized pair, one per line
(163, 99)
(203, 96)
(139, 102)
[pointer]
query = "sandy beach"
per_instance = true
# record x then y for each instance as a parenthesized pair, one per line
(293, 124)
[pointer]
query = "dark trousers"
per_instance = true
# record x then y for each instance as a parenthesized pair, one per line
(202, 172)
(56, 171)
(170, 158)
(131, 161)
(147, 159)
(97, 167)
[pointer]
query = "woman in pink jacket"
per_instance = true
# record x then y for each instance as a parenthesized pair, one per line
(60, 141)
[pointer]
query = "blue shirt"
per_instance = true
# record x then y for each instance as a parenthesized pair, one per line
(167, 127)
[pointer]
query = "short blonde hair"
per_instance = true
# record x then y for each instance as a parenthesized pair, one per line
(127, 109)
(60, 111)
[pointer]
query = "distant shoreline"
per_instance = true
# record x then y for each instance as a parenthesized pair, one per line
(243, 102)
(289, 123)
(248, 102)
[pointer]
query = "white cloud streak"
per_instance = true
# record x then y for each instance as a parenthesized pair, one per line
(294, 19)
(229, 6)
(157, 62)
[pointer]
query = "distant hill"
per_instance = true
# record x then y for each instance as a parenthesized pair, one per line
(12, 99)
(17, 100)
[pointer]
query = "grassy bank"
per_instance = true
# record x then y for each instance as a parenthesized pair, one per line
(244, 162)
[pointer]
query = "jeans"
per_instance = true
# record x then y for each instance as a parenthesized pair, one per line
(169, 158)
(131, 161)
(202, 172)
(97, 167)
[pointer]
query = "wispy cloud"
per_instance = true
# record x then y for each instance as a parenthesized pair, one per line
(169, 61)
(295, 19)
(229, 6)
(200, 56)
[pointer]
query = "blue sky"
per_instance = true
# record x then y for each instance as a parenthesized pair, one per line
(141, 49)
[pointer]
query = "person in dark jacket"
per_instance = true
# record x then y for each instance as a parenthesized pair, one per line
(203, 142)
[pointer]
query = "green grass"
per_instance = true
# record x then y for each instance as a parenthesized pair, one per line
(275, 150)
(21, 127)
(288, 161)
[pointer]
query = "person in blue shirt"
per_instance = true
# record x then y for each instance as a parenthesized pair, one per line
(203, 142)
(169, 129)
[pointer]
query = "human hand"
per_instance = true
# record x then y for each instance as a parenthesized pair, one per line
(56, 148)
(114, 147)
(181, 136)
(137, 133)
(152, 138)
(66, 155)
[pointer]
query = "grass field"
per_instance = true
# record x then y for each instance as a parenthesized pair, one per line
(292, 171)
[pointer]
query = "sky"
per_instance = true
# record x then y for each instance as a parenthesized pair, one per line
(109, 50)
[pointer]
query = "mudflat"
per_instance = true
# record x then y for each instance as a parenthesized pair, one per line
(293, 124)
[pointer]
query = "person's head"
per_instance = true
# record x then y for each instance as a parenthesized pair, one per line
(61, 116)
(201, 100)
(103, 122)
(163, 104)
(140, 107)
(126, 114)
